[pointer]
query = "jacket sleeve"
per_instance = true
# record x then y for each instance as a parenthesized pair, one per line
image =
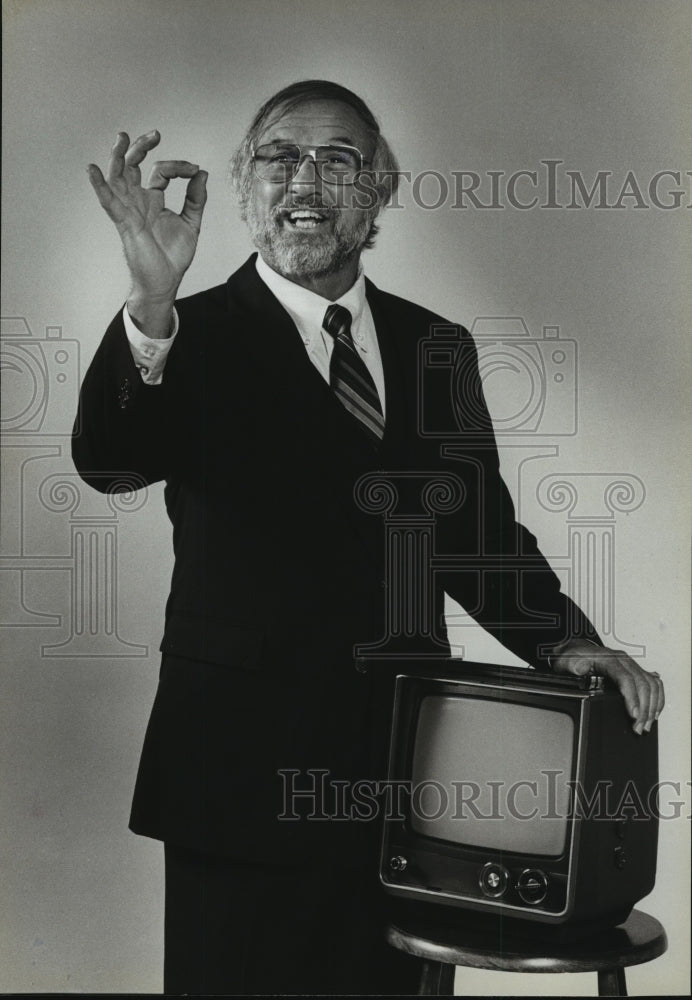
(497, 571)
(124, 436)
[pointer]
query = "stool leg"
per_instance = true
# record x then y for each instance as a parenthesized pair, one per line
(611, 983)
(437, 980)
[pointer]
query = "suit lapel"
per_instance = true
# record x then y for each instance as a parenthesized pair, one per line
(297, 394)
(272, 338)
(290, 377)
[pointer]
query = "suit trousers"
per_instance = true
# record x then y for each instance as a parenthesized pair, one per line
(234, 927)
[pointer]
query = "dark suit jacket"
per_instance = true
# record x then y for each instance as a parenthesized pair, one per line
(278, 572)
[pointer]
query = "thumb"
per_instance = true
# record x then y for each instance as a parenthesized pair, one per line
(574, 662)
(580, 665)
(195, 199)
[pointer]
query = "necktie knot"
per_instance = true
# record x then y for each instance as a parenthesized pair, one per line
(337, 321)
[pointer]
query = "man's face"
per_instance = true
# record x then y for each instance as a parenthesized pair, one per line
(314, 247)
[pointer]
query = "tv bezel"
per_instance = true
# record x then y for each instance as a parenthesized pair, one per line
(525, 686)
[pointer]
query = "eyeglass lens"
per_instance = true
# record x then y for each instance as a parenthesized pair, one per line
(279, 161)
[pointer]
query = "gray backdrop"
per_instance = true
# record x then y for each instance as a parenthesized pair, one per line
(594, 460)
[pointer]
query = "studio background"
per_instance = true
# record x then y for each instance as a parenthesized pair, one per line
(465, 86)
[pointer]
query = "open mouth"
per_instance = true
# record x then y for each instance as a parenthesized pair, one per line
(306, 218)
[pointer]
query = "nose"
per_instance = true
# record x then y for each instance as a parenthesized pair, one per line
(306, 172)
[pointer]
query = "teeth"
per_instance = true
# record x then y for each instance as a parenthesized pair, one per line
(305, 218)
(304, 213)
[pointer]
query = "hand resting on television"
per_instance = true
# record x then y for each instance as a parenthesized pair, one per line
(641, 689)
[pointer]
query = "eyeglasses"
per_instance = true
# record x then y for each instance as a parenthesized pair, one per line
(277, 162)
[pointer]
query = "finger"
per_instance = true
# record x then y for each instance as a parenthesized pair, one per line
(195, 199)
(107, 199)
(165, 170)
(653, 702)
(657, 699)
(634, 686)
(640, 679)
(620, 673)
(141, 146)
(116, 163)
(652, 682)
(644, 698)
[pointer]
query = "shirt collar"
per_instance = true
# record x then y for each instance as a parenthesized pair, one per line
(307, 308)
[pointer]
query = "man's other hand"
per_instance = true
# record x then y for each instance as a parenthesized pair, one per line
(642, 690)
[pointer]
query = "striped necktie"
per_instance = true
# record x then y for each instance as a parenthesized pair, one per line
(349, 377)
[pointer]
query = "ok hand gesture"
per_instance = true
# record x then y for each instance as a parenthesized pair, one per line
(159, 244)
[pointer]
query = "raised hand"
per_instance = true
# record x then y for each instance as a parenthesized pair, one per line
(159, 244)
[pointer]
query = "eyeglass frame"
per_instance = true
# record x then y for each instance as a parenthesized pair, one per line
(310, 151)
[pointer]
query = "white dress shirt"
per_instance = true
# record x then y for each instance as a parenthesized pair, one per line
(305, 308)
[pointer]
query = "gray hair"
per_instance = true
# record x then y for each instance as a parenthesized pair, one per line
(384, 162)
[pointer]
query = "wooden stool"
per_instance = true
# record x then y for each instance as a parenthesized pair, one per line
(445, 943)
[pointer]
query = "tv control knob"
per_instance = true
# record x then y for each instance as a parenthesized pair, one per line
(493, 880)
(532, 886)
(398, 863)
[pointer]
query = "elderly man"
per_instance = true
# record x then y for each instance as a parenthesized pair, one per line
(261, 403)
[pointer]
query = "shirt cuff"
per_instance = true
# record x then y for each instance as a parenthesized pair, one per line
(149, 354)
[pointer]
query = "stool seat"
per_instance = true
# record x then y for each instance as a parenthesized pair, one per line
(449, 939)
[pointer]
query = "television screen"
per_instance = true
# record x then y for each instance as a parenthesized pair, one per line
(492, 774)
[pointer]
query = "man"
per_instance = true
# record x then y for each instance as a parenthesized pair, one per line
(262, 403)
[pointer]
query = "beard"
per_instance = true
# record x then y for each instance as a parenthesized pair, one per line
(308, 253)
